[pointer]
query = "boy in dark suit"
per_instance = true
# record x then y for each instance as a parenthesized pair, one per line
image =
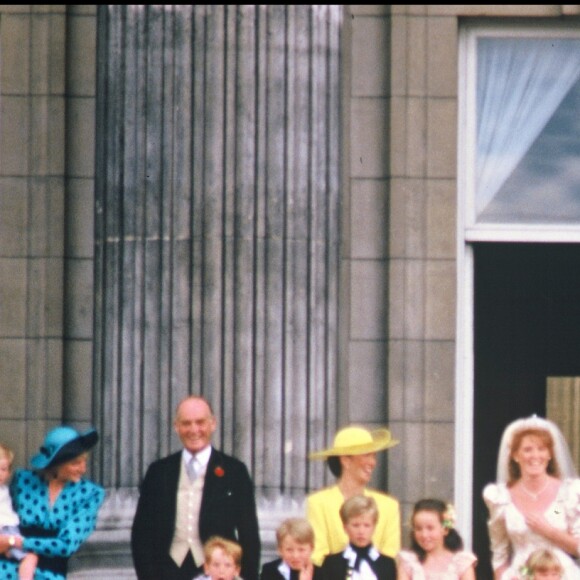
(360, 560)
(295, 539)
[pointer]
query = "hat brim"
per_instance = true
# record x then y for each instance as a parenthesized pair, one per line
(81, 444)
(381, 440)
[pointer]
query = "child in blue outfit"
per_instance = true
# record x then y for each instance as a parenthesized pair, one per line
(9, 520)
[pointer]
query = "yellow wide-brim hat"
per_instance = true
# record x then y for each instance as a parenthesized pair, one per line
(354, 440)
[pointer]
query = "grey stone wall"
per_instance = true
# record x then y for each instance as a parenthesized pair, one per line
(393, 330)
(217, 233)
(400, 251)
(32, 205)
(78, 219)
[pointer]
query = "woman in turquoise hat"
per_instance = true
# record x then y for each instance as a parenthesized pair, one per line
(352, 460)
(57, 508)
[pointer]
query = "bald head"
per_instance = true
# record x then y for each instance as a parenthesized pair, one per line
(194, 423)
(190, 398)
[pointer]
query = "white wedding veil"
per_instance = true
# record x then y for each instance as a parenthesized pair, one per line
(561, 450)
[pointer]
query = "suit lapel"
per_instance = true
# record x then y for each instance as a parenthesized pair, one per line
(380, 567)
(172, 484)
(210, 478)
(210, 482)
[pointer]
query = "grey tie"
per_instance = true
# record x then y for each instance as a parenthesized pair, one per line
(191, 468)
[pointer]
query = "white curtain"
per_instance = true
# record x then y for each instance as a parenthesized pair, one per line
(520, 84)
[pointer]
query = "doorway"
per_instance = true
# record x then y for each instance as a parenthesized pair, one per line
(526, 328)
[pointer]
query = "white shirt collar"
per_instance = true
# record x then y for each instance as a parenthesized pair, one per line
(284, 569)
(350, 555)
(365, 572)
(202, 457)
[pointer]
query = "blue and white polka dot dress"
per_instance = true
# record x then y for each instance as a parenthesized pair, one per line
(70, 520)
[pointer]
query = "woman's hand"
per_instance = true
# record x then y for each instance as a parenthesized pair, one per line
(564, 540)
(498, 572)
(539, 524)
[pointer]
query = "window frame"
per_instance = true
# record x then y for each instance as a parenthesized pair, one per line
(497, 232)
(468, 233)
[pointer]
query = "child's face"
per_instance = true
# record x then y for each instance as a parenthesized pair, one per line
(295, 554)
(550, 574)
(4, 471)
(221, 566)
(428, 530)
(359, 530)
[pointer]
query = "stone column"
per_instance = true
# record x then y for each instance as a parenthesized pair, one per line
(217, 232)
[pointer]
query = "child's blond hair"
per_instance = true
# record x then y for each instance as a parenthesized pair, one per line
(229, 547)
(297, 528)
(6, 453)
(358, 505)
(543, 560)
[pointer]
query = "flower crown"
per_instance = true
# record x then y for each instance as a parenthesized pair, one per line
(449, 517)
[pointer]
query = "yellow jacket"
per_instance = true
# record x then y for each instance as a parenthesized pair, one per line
(329, 536)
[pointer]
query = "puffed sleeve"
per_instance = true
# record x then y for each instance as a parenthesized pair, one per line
(572, 505)
(408, 562)
(76, 522)
(463, 561)
(496, 499)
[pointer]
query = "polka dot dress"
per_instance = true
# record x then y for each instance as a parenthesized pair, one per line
(72, 518)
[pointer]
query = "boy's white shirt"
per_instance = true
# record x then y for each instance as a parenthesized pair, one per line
(284, 569)
(8, 517)
(365, 572)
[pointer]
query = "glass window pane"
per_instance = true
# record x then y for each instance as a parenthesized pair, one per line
(528, 131)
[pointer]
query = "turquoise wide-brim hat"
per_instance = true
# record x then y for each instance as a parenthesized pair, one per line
(62, 444)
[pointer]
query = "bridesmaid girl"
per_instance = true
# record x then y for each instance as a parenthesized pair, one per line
(436, 546)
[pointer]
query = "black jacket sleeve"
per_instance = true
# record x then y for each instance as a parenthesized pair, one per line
(229, 509)
(154, 521)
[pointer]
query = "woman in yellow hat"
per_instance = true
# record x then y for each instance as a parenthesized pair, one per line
(352, 460)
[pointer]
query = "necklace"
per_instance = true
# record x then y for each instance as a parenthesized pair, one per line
(537, 494)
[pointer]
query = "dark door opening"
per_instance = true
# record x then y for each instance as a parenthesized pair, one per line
(526, 328)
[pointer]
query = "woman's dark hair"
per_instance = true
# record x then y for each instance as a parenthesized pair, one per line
(452, 540)
(334, 465)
